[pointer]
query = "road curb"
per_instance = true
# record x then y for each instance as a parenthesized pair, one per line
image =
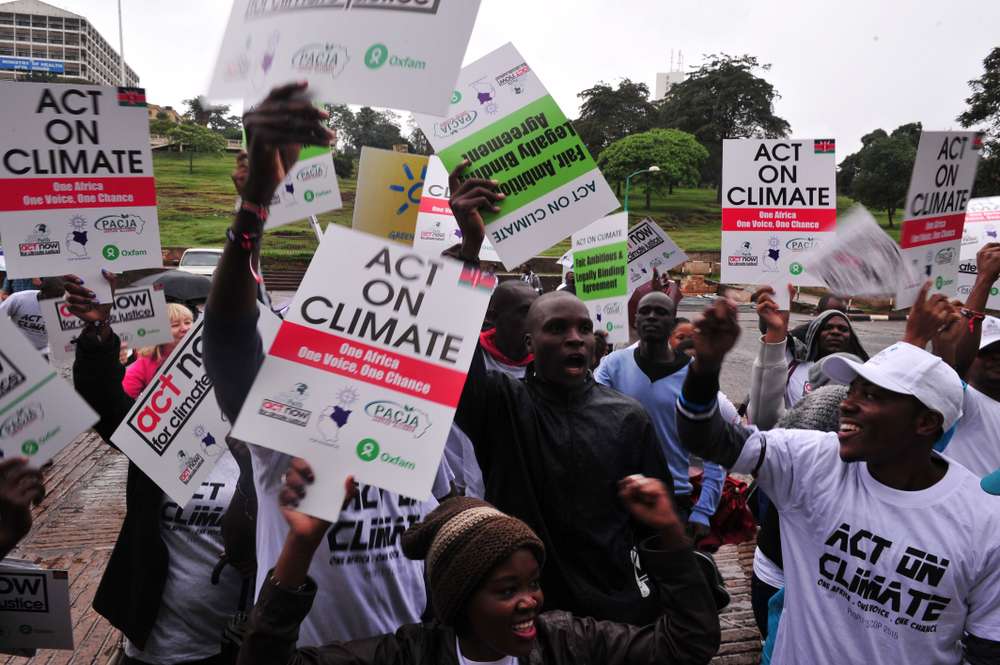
(895, 316)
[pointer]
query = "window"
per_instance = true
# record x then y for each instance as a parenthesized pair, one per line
(6, 49)
(55, 22)
(23, 52)
(21, 19)
(6, 18)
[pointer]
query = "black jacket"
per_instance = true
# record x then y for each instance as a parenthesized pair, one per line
(685, 631)
(553, 458)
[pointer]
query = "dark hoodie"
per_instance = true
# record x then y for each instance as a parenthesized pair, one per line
(811, 350)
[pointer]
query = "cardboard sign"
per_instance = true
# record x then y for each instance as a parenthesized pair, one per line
(403, 54)
(436, 228)
(982, 226)
(600, 258)
(860, 259)
(310, 188)
(40, 414)
(175, 431)
(779, 201)
(503, 120)
(34, 607)
(649, 248)
(388, 194)
(76, 181)
(934, 212)
(138, 315)
(368, 366)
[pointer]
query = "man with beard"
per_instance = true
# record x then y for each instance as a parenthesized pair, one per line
(830, 332)
(889, 548)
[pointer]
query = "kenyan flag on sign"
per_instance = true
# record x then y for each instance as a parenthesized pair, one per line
(131, 97)
(824, 146)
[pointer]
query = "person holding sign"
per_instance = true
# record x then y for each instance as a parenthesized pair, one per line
(887, 557)
(486, 586)
(359, 563)
(141, 372)
(157, 588)
(553, 445)
(20, 488)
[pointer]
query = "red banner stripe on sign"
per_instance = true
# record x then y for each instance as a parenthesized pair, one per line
(919, 232)
(25, 194)
(795, 220)
(418, 378)
(435, 206)
(987, 216)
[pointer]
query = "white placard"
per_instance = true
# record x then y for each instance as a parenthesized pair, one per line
(779, 200)
(76, 181)
(503, 120)
(403, 54)
(138, 315)
(34, 607)
(982, 226)
(649, 248)
(175, 432)
(310, 188)
(368, 366)
(40, 413)
(600, 259)
(437, 229)
(934, 211)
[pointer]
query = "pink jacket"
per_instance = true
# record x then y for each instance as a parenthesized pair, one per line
(139, 374)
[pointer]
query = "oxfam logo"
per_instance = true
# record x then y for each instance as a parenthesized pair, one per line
(376, 56)
(110, 252)
(456, 97)
(309, 196)
(795, 268)
(141, 332)
(410, 189)
(994, 291)
(29, 447)
(367, 449)
(939, 282)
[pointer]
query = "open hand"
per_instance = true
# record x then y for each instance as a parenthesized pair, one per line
(81, 302)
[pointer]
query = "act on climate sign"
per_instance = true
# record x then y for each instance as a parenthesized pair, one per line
(309, 188)
(778, 201)
(600, 259)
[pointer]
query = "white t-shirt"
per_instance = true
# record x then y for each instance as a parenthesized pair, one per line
(462, 660)
(975, 443)
(193, 611)
(798, 384)
(874, 574)
(365, 585)
(24, 310)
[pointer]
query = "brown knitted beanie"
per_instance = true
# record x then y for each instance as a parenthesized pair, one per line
(461, 541)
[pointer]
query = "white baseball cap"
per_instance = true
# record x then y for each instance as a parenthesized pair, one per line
(991, 332)
(906, 369)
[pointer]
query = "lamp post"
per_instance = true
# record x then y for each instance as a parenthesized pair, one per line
(628, 181)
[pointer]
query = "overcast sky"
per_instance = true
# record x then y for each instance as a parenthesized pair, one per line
(842, 68)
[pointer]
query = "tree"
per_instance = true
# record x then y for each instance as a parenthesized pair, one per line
(883, 174)
(607, 115)
(217, 118)
(367, 127)
(723, 99)
(851, 165)
(678, 155)
(196, 139)
(984, 111)
(161, 127)
(419, 143)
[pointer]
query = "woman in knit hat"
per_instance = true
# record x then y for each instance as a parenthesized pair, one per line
(483, 570)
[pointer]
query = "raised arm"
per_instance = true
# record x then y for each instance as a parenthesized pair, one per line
(770, 369)
(987, 273)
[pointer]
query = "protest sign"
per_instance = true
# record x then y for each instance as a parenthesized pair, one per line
(387, 197)
(34, 607)
(934, 211)
(76, 182)
(368, 366)
(39, 412)
(138, 315)
(600, 258)
(779, 200)
(175, 432)
(437, 229)
(310, 188)
(859, 260)
(403, 54)
(649, 248)
(982, 226)
(503, 120)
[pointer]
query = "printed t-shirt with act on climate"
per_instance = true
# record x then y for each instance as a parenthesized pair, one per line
(365, 585)
(24, 310)
(874, 574)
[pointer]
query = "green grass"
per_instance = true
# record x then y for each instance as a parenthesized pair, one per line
(195, 210)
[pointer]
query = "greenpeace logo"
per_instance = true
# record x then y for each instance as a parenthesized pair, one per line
(454, 124)
(24, 592)
(286, 413)
(262, 8)
(10, 376)
(20, 419)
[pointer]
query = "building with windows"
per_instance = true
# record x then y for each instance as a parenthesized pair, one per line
(36, 37)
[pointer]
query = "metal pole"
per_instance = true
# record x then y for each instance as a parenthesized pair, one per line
(316, 227)
(121, 44)
(628, 181)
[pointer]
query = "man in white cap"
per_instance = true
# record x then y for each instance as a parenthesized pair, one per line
(890, 550)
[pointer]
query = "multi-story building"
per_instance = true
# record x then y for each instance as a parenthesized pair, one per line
(38, 37)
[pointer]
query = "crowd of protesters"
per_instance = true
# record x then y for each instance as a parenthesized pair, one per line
(575, 507)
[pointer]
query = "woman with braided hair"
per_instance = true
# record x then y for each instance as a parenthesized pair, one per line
(483, 569)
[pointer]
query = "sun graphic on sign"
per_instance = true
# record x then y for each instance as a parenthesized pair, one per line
(411, 189)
